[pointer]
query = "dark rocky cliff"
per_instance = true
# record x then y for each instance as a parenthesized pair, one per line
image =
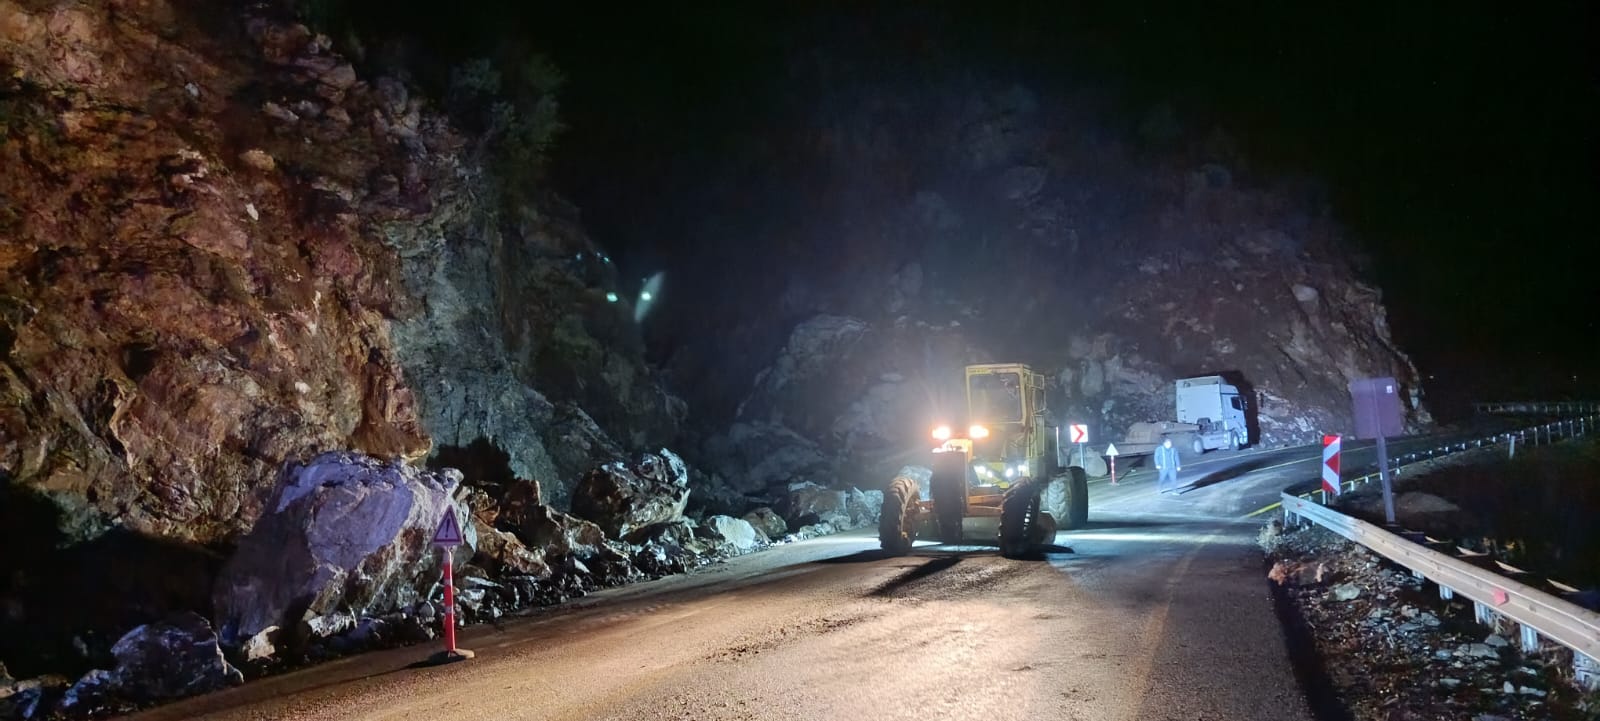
(223, 250)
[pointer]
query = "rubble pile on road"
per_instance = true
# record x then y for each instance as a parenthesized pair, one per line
(342, 561)
(1389, 648)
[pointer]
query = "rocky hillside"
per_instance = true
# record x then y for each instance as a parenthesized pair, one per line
(223, 251)
(980, 220)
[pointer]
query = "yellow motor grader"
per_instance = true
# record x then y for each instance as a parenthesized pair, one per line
(994, 482)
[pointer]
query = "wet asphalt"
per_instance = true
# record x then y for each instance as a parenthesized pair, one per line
(1158, 610)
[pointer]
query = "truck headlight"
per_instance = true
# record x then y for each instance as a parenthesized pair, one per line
(977, 432)
(942, 433)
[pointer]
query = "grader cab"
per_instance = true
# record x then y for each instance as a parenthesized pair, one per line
(994, 477)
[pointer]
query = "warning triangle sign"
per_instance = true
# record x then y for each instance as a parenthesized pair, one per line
(449, 532)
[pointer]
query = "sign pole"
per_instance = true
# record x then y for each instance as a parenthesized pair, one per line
(447, 537)
(1111, 453)
(1383, 467)
(449, 601)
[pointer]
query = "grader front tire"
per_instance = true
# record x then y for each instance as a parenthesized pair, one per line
(1019, 518)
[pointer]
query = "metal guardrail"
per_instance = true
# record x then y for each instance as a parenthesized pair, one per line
(1539, 614)
(1530, 437)
(1552, 408)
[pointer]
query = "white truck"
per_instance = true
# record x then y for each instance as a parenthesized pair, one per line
(1211, 415)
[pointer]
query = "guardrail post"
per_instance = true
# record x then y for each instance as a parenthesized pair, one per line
(1446, 592)
(1530, 639)
(1585, 670)
(1482, 613)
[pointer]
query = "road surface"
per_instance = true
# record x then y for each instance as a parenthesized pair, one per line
(1159, 610)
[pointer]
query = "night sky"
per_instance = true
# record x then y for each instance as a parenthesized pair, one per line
(1456, 140)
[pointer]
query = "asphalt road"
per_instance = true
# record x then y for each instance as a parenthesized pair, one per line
(1159, 610)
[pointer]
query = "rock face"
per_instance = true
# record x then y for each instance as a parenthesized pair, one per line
(1113, 262)
(225, 250)
(211, 319)
(346, 534)
(626, 498)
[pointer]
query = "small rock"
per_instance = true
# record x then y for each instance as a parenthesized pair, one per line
(1496, 640)
(258, 159)
(1528, 690)
(262, 645)
(1346, 592)
(1449, 682)
(250, 210)
(1477, 650)
(194, 90)
(278, 112)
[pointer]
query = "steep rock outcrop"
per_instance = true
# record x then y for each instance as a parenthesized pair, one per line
(1011, 226)
(192, 296)
(222, 250)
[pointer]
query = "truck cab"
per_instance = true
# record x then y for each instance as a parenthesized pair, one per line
(1216, 408)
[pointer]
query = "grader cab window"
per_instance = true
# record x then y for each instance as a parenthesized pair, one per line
(996, 398)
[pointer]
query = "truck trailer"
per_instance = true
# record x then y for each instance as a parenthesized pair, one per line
(1210, 415)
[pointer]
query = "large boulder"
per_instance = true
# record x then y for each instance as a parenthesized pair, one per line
(172, 658)
(768, 522)
(504, 553)
(862, 507)
(557, 533)
(736, 533)
(809, 503)
(345, 533)
(623, 498)
(671, 548)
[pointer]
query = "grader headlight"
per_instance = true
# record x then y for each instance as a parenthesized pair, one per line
(941, 433)
(976, 432)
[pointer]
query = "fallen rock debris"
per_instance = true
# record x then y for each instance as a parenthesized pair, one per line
(1390, 648)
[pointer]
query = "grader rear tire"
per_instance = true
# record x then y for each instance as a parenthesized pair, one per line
(897, 523)
(1077, 500)
(1019, 516)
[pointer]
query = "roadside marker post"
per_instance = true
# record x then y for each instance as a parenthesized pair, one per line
(1111, 454)
(446, 538)
(1330, 466)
